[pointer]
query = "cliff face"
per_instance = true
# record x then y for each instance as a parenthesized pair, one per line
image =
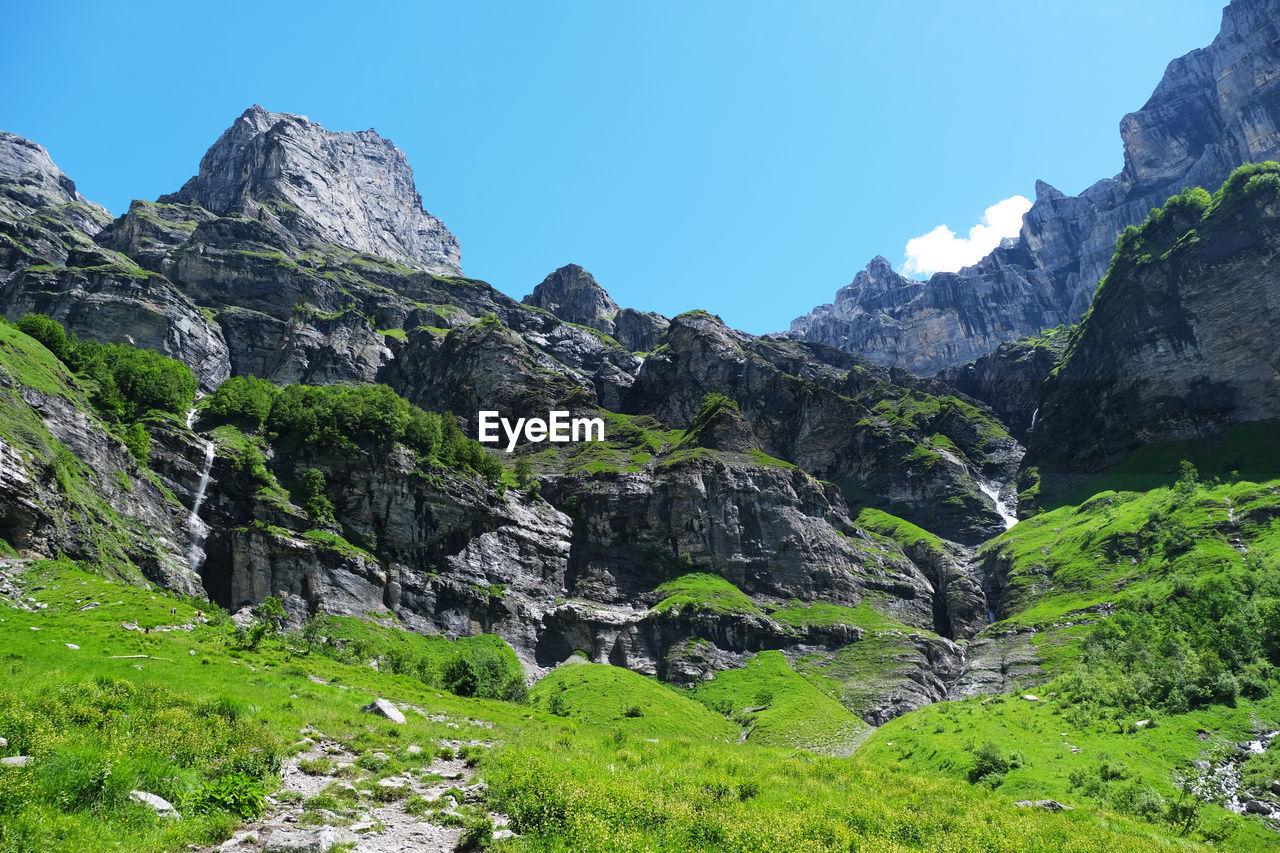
(1181, 340)
(287, 260)
(1010, 378)
(1214, 109)
(354, 190)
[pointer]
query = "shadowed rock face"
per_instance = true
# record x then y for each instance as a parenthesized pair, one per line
(1181, 341)
(1214, 109)
(350, 189)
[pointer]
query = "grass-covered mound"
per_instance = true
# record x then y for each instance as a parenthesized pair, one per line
(601, 696)
(779, 707)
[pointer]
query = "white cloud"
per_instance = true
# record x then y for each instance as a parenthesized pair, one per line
(942, 251)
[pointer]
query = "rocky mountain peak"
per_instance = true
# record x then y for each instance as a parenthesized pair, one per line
(324, 187)
(572, 294)
(29, 177)
(1215, 108)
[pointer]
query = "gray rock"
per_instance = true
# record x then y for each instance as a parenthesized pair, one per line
(307, 840)
(321, 187)
(4, 743)
(15, 761)
(1257, 807)
(161, 806)
(1047, 805)
(1214, 109)
(413, 749)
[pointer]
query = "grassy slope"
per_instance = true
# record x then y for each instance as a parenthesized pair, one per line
(779, 707)
(593, 780)
(1126, 551)
(600, 696)
(25, 362)
(1118, 546)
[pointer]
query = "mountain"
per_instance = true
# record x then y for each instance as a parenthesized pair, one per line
(1180, 342)
(314, 187)
(1214, 109)
(786, 475)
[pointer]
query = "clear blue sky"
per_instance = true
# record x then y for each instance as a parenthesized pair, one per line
(746, 157)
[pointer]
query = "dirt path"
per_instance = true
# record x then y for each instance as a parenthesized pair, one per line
(327, 799)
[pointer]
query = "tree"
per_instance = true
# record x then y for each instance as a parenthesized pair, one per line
(47, 331)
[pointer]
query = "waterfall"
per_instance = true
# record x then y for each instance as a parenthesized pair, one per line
(198, 529)
(1006, 513)
(1034, 415)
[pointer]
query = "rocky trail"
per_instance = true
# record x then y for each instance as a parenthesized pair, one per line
(331, 798)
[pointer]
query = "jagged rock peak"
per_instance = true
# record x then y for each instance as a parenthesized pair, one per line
(573, 294)
(352, 189)
(30, 176)
(1214, 109)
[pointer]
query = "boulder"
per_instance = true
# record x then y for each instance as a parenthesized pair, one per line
(1047, 805)
(162, 807)
(385, 709)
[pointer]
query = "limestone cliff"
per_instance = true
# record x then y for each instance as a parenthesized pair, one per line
(1181, 340)
(320, 187)
(1215, 109)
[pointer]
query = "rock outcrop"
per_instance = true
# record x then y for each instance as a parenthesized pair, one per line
(572, 294)
(1215, 109)
(321, 188)
(1181, 340)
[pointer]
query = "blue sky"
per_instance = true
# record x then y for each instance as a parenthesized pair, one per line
(744, 157)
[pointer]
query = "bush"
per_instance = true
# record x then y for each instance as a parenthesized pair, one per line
(48, 332)
(989, 765)
(241, 400)
(239, 793)
(138, 441)
(311, 494)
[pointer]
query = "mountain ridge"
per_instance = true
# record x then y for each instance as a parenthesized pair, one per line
(1214, 109)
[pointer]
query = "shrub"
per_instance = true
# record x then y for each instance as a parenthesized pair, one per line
(988, 762)
(48, 332)
(311, 494)
(241, 400)
(239, 793)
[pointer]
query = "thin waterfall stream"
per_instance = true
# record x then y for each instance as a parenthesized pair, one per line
(196, 527)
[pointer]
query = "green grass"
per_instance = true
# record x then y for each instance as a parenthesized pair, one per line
(594, 779)
(591, 790)
(940, 741)
(329, 539)
(904, 533)
(781, 708)
(699, 592)
(798, 614)
(176, 718)
(601, 696)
